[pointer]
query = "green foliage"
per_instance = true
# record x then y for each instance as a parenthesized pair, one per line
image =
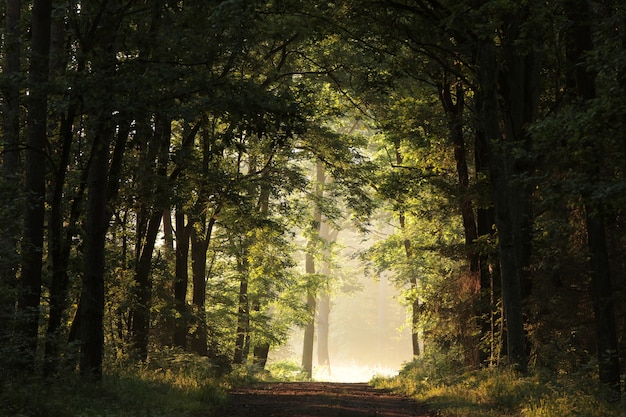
(439, 381)
(286, 371)
(172, 384)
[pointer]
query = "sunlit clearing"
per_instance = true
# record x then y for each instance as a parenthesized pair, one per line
(351, 373)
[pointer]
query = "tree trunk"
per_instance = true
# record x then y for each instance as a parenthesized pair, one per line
(323, 328)
(453, 106)
(489, 278)
(510, 196)
(143, 289)
(415, 302)
(181, 280)
(146, 242)
(581, 43)
(91, 307)
(9, 230)
(35, 186)
(309, 330)
(200, 244)
(328, 237)
(59, 245)
(243, 316)
(62, 226)
(262, 348)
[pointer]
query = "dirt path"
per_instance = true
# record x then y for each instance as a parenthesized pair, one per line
(318, 399)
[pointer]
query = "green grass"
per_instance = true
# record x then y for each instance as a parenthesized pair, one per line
(455, 392)
(286, 371)
(173, 385)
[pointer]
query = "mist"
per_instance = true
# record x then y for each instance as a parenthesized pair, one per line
(369, 332)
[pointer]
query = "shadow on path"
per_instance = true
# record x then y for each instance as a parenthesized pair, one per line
(318, 399)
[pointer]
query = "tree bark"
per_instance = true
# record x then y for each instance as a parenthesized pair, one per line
(59, 244)
(415, 302)
(200, 244)
(91, 307)
(453, 106)
(146, 239)
(489, 278)
(510, 195)
(9, 230)
(181, 279)
(309, 330)
(323, 329)
(35, 180)
(243, 316)
(581, 43)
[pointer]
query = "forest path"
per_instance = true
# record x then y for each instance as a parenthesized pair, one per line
(318, 399)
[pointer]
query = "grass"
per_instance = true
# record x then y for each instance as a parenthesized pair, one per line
(455, 392)
(172, 385)
(178, 384)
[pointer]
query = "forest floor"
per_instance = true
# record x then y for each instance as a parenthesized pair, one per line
(318, 399)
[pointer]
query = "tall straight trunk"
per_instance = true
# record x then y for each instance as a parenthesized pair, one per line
(147, 237)
(323, 328)
(243, 316)
(415, 302)
(35, 186)
(511, 197)
(581, 43)
(184, 224)
(489, 278)
(141, 311)
(324, 300)
(87, 326)
(9, 230)
(201, 239)
(91, 307)
(59, 245)
(199, 245)
(262, 348)
(181, 279)
(309, 330)
(103, 181)
(453, 105)
(62, 226)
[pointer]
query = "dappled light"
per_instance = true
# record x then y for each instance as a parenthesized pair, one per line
(202, 196)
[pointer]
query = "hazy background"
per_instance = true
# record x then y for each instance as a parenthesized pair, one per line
(368, 332)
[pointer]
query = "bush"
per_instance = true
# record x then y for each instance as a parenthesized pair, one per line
(171, 384)
(458, 392)
(286, 371)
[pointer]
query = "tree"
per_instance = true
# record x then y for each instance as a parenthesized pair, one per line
(311, 302)
(35, 181)
(581, 43)
(101, 176)
(10, 159)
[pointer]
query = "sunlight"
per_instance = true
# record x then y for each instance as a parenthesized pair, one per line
(351, 373)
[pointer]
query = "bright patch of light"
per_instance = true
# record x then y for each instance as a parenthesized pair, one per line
(352, 373)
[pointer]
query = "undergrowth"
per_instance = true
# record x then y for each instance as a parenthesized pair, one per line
(286, 371)
(170, 384)
(456, 392)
